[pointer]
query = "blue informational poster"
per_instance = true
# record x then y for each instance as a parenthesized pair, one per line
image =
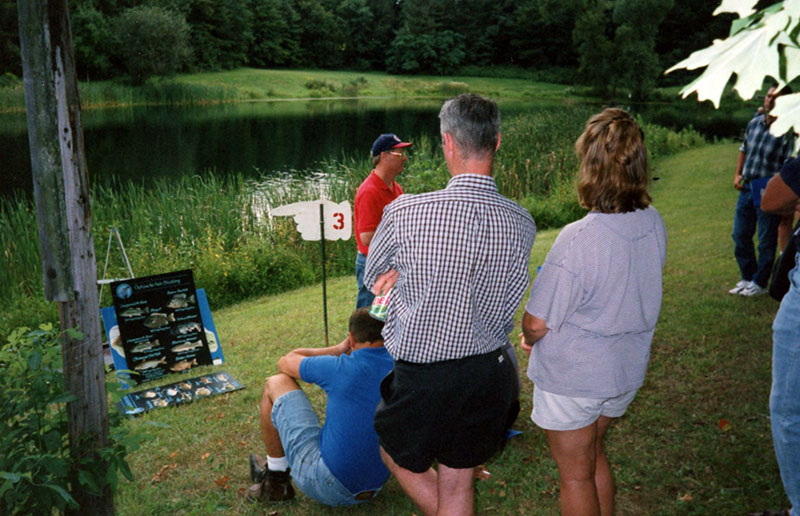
(169, 356)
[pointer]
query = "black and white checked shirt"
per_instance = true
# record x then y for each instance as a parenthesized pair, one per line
(462, 256)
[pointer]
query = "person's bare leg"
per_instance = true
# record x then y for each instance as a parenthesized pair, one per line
(574, 453)
(422, 488)
(785, 231)
(603, 477)
(275, 387)
(455, 491)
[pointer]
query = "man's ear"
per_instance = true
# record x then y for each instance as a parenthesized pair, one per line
(498, 142)
(448, 144)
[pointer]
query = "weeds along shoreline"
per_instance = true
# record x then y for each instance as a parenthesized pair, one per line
(219, 225)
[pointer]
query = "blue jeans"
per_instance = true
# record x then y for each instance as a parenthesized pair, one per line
(365, 297)
(744, 227)
(784, 399)
(298, 425)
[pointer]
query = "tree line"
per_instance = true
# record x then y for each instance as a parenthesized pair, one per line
(613, 45)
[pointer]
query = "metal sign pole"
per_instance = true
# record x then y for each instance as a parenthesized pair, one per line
(324, 287)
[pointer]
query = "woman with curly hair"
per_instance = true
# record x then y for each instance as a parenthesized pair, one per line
(593, 308)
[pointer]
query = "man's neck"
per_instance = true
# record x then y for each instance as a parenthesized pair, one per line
(471, 166)
(386, 176)
(361, 345)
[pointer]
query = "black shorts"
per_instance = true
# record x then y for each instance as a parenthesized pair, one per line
(453, 411)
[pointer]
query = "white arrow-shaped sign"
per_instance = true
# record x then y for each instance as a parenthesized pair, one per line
(338, 218)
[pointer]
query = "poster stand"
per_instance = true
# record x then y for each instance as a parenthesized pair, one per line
(112, 232)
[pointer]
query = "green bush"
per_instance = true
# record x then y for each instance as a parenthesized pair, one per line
(152, 41)
(320, 87)
(9, 80)
(36, 466)
(557, 209)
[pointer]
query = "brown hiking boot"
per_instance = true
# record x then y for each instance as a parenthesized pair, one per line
(277, 487)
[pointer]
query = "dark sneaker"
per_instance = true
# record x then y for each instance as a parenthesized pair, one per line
(277, 487)
(257, 468)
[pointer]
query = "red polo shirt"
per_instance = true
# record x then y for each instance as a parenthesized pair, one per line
(372, 196)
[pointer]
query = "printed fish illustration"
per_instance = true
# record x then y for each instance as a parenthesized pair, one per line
(134, 312)
(145, 346)
(186, 386)
(150, 364)
(160, 403)
(183, 365)
(172, 392)
(186, 346)
(186, 328)
(180, 301)
(150, 394)
(157, 320)
(203, 391)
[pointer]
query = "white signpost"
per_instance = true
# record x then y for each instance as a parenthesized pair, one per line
(320, 220)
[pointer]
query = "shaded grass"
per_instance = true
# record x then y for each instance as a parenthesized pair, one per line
(710, 361)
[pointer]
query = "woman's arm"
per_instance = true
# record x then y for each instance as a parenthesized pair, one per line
(533, 329)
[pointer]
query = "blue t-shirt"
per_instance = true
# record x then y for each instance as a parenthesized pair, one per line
(348, 442)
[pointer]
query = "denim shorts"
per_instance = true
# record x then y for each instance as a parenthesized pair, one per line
(556, 412)
(299, 428)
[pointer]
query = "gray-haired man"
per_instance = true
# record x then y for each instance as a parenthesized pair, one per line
(458, 261)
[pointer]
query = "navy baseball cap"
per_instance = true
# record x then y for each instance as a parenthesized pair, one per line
(386, 142)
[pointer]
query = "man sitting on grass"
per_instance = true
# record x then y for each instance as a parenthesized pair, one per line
(338, 463)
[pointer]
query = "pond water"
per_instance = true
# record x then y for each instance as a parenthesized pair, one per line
(261, 138)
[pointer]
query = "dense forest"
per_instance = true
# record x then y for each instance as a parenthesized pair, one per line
(608, 44)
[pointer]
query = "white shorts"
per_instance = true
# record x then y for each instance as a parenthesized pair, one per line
(556, 412)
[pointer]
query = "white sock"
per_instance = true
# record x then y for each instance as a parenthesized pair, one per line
(277, 463)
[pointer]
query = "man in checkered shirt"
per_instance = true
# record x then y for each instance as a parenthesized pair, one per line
(761, 156)
(458, 261)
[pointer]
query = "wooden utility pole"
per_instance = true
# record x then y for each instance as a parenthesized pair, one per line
(64, 216)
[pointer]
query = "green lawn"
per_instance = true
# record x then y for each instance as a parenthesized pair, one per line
(259, 84)
(251, 84)
(710, 361)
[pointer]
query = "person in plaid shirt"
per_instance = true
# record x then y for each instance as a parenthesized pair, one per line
(761, 155)
(458, 260)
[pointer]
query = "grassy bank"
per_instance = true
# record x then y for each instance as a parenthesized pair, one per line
(250, 84)
(218, 226)
(710, 362)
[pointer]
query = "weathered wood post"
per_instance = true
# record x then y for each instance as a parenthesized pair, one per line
(63, 212)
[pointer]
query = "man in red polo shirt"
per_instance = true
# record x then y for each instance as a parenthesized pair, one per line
(377, 190)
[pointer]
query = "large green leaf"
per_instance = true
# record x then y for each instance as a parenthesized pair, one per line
(743, 8)
(787, 111)
(752, 54)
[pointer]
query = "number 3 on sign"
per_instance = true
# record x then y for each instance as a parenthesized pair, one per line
(337, 218)
(339, 221)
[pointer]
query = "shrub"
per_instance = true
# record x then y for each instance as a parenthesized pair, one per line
(152, 41)
(9, 80)
(35, 461)
(320, 87)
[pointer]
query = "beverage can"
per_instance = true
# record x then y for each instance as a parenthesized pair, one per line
(380, 306)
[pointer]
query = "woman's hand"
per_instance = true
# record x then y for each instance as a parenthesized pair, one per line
(527, 348)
